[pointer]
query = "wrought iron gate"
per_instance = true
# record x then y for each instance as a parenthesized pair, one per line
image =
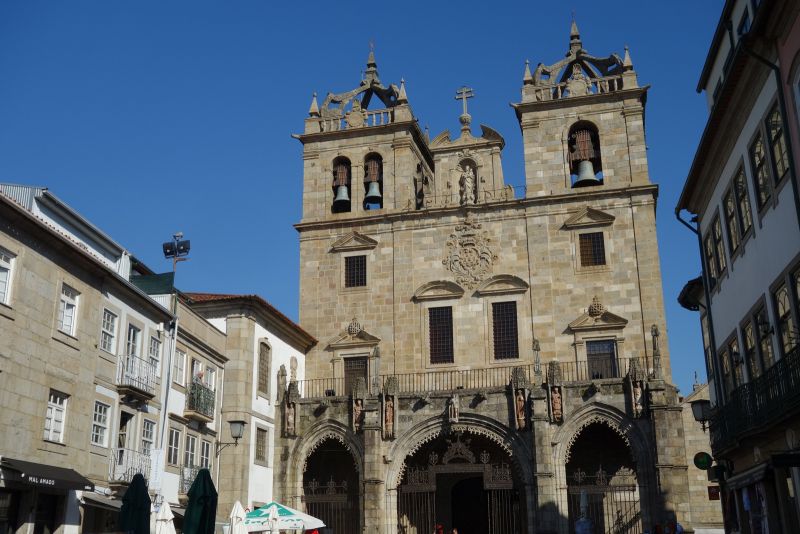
(610, 506)
(334, 505)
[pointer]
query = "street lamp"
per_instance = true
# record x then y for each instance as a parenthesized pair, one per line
(177, 249)
(237, 431)
(701, 410)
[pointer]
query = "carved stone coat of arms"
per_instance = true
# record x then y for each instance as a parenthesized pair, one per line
(469, 255)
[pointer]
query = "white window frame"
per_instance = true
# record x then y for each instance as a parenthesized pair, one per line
(179, 368)
(190, 451)
(53, 426)
(210, 377)
(108, 332)
(99, 435)
(68, 302)
(133, 345)
(197, 371)
(148, 435)
(6, 275)
(154, 355)
(174, 446)
(205, 454)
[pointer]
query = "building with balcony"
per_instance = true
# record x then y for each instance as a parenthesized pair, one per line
(264, 350)
(479, 343)
(81, 355)
(741, 196)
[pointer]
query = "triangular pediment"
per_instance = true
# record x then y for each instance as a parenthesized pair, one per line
(439, 290)
(346, 340)
(502, 284)
(592, 321)
(353, 241)
(587, 217)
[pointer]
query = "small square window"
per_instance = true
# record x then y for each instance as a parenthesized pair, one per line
(592, 249)
(440, 334)
(355, 271)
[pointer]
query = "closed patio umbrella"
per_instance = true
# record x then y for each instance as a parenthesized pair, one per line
(201, 512)
(237, 519)
(164, 520)
(134, 516)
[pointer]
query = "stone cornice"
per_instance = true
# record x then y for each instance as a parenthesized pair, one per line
(571, 102)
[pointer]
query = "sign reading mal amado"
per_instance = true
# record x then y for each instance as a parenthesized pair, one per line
(48, 476)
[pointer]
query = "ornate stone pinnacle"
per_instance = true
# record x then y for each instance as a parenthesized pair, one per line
(526, 77)
(402, 98)
(354, 328)
(627, 64)
(596, 309)
(313, 111)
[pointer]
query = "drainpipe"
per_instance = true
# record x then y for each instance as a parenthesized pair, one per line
(707, 294)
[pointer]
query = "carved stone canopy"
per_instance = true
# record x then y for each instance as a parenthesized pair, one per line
(438, 290)
(502, 284)
(597, 317)
(353, 241)
(588, 217)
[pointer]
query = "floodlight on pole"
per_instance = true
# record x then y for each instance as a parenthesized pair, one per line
(177, 249)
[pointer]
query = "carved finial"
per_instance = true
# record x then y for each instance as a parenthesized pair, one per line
(354, 328)
(463, 94)
(574, 36)
(627, 64)
(402, 98)
(313, 111)
(371, 57)
(596, 309)
(427, 134)
(527, 78)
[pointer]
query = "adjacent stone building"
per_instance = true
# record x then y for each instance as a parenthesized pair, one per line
(488, 356)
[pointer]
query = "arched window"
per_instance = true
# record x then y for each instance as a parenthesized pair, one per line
(341, 185)
(585, 163)
(373, 182)
(264, 364)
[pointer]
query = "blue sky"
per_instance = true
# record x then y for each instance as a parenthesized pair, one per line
(150, 117)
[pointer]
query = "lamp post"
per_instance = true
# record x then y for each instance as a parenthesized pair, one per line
(701, 410)
(237, 431)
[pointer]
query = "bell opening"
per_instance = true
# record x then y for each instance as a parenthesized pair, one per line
(584, 155)
(373, 182)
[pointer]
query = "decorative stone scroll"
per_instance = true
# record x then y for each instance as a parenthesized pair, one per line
(469, 254)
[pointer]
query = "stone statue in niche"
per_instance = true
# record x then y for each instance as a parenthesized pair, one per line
(519, 404)
(289, 418)
(452, 409)
(638, 403)
(556, 406)
(578, 83)
(358, 414)
(388, 417)
(467, 183)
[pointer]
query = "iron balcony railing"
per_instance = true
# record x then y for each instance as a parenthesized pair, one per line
(188, 474)
(480, 378)
(201, 399)
(137, 373)
(758, 403)
(126, 462)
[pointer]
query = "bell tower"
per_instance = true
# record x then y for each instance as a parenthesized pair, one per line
(582, 122)
(362, 159)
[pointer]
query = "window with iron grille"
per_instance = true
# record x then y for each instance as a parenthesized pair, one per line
(592, 249)
(263, 369)
(601, 357)
(355, 271)
(777, 142)
(261, 446)
(758, 162)
(504, 330)
(440, 333)
(354, 368)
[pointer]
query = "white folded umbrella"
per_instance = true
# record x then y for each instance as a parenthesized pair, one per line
(164, 517)
(237, 519)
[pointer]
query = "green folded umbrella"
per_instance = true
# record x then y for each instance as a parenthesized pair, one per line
(201, 512)
(134, 516)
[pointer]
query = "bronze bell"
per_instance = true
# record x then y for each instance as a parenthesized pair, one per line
(373, 193)
(342, 199)
(586, 176)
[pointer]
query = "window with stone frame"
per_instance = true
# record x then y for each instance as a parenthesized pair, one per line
(190, 448)
(67, 310)
(108, 331)
(264, 364)
(56, 416)
(601, 358)
(355, 271)
(751, 350)
(711, 262)
(760, 168)
(787, 332)
(354, 368)
(592, 249)
(100, 424)
(154, 351)
(736, 362)
(179, 368)
(504, 330)
(205, 454)
(776, 136)
(440, 334)
(727, 372)
(731, 222)
(262, 446)
(743, 212)
(6, 264)
(719, 248)
(173, 446)
(707, 346)
(763, 330)
(148, 436)
(342, 191)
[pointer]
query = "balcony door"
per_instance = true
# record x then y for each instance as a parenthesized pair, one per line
(354, 368)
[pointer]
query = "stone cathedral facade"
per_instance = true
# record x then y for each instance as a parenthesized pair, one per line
(491, 358)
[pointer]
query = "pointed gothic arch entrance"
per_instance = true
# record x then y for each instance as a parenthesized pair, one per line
(459, 480)
(603, 489)
(331, 487)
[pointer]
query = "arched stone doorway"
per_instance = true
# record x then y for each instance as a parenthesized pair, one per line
(603, 490)
(462, 480)
(331, 487)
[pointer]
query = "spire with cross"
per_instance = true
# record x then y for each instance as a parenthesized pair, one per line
(463, 94)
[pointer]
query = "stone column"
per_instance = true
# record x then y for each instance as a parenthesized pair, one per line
(374, 487)
(544, 504)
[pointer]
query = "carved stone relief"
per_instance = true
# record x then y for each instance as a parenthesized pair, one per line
(469, 254)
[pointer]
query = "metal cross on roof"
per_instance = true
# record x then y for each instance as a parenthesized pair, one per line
(463, 94)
